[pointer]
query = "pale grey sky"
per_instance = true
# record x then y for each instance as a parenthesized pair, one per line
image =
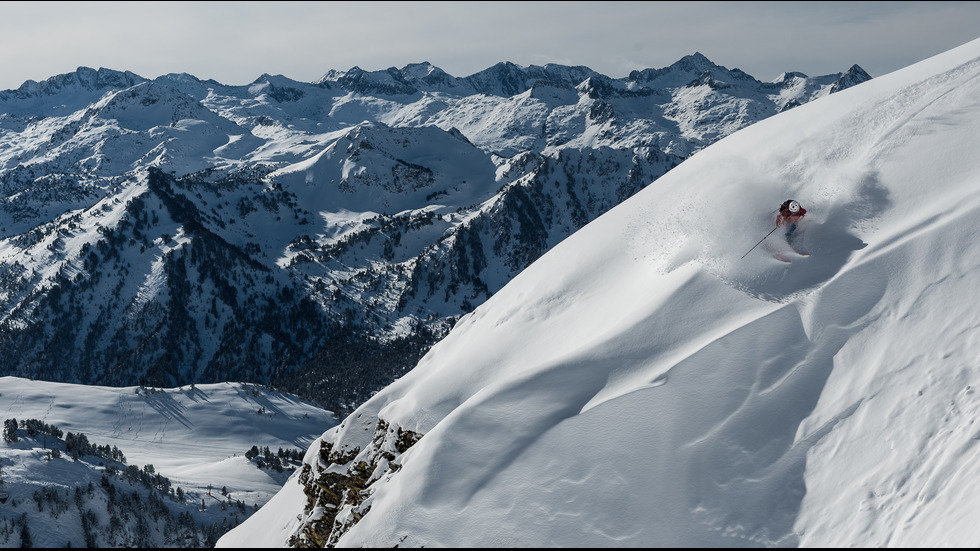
(236, 42)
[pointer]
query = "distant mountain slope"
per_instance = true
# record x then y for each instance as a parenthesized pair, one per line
(645, 383)
(92, 466)
(317, 236)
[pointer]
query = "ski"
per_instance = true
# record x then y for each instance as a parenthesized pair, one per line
(786, 256)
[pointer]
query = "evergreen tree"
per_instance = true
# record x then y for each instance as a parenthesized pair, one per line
(252, 453)
(10, 430)
(25, 533)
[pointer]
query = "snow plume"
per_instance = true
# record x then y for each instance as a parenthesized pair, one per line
(643, 385)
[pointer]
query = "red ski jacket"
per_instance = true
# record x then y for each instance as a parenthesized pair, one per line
(787, 217)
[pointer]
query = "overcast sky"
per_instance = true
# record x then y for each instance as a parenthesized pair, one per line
(236, 42)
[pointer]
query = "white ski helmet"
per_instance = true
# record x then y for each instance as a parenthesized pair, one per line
(794, 207)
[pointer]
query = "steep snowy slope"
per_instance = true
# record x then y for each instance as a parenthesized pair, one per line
(643, 385)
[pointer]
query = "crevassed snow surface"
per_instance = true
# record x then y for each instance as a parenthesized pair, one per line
(643, 385)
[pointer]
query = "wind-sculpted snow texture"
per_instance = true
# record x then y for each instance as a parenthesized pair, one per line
(319, 236)
(642, 385)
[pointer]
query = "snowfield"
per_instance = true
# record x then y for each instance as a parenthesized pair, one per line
(196, 436)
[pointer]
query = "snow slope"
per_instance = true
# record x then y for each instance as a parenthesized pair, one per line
(643, 385)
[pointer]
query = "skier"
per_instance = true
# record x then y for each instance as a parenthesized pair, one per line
(790, 212)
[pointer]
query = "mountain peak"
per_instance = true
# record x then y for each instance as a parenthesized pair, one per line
(694, 62)
(388, 82)
(83, 78)
(787, 76)
(852, 77)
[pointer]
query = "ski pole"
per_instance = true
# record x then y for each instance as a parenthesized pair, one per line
(760, 241)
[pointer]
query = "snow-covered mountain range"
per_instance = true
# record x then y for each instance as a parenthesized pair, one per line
(317, 236)
(646, 383)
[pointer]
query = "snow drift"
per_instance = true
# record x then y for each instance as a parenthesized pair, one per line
(642, 385)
